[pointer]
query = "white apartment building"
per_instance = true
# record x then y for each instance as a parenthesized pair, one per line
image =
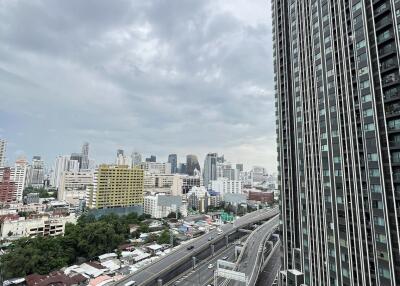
(18, 175)
(15, 228)
(161, 205)
(2, 152)
(156, 167)
(225, 186)
(73, 186)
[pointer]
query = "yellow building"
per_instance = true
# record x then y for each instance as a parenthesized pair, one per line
(116, 186)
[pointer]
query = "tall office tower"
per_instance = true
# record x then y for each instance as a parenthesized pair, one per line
(18, 175)
(210, 168)
(136, 159)
(173, 159)
(338, 111)
(36, 172)
(85, 156)
(60, 166)
(116, 186)
(192, 164)
(2, 152)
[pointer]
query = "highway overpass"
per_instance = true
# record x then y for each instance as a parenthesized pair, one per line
(181, 259)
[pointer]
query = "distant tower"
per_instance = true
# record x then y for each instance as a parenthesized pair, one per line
(210, 168)
(192, 164)
(136, 159)
(85, 156)
(2, 152)
(173, 159)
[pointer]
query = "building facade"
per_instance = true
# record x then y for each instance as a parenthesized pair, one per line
(116, 186)
(173, 160)
(74, 185)
(161, 205)
(2, 152)
(225, 186)
(182, 184)
(8, 188)
(192, 164)
(338, 112)
(36, 173)
(210, 168)
(18, 175)
(12, 228)
(156, 168)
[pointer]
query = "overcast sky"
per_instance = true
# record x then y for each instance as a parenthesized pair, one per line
(155, 76)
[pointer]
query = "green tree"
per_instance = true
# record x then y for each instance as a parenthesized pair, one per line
(164, 237)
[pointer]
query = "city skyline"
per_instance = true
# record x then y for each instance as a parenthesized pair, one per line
(196, 88)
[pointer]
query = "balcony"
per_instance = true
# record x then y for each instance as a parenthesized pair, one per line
(390, 79)
(383, 23)
(387, 50)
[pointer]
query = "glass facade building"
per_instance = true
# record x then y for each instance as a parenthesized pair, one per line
(337, 88)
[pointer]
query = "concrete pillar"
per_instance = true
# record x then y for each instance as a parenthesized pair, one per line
(194, 262)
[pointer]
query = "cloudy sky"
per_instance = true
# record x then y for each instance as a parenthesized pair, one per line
(155, 76)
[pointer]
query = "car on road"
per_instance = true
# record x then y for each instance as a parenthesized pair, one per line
(210, 266)
(210, 238)
(130, 283)
(190, 247)
(225, 258)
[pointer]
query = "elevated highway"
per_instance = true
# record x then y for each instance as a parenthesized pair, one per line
(181, 259)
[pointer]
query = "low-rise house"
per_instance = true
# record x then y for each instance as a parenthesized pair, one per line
(55, 278)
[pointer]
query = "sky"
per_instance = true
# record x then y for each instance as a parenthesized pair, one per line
(154, 76)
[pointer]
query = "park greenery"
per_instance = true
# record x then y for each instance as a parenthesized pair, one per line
(83, 241)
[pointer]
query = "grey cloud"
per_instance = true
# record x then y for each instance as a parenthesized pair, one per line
(158, 76)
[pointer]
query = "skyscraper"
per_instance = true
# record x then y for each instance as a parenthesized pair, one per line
(210, 168)
(173, 159)
(36, 173)
(338, 111)
(18, 175)
(192, 164)
(85, 156)
(2, 152)
(136, 159)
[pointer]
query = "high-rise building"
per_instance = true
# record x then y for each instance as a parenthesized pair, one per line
(18, 175)
(116, 186)
(210, 168)
(61, 165)
(136, 159)
(36, 173)
(77, 157)
(338, 111)
(192, 164)
(85, 156)
(123, 160)
(173, 160)
(2, 152)
(8, 188)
